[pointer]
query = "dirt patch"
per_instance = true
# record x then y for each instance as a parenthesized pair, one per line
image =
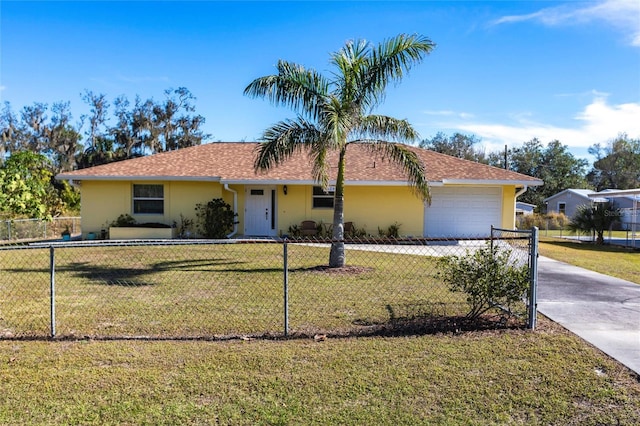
(345, 270)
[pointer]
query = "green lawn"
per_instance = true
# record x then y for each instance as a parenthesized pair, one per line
(475, 378)
(215, 290)
(506, 376)
(566, 233)
(607, 259)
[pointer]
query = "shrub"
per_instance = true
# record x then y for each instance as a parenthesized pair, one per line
(595, 218)
(126, 220)
(215, 219)
(487, 277)
(123, 220)
(393, 231)
(549, 221)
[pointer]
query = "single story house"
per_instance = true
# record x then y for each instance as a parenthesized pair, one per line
(568, 201)
(628, 201)
(524, 209)
(467, 197)
(623, 199)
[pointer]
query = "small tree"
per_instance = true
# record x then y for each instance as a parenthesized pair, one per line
(215, 219)
(594, 219)
(488, 277)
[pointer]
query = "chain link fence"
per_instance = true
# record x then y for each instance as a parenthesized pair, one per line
(235, 288)
(38, 229)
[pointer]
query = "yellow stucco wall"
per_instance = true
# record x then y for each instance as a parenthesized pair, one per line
(509, 207)
(102, 201)
(366, 206)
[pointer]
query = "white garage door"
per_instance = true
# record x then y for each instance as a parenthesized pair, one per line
(462, 212)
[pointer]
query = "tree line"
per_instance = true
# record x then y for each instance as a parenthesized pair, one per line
(616, 165)
(109, 132)
(41, 141)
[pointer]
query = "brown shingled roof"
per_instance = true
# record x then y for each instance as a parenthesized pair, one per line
(233, 162)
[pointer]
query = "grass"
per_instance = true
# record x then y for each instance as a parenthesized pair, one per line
(568, 233)
(607, 259)
(501, 377)
(506, 376)
(205, 290)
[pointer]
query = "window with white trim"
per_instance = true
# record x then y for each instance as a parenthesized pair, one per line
(322, 199)
(148, 199)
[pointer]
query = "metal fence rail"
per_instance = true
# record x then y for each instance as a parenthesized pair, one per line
(38, 229)
(230, 288)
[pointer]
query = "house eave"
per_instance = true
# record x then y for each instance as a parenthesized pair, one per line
(518, 183)
(138, 178)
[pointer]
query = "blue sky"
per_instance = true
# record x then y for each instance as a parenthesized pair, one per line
(505, 71)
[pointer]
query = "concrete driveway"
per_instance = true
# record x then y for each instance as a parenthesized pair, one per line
(603, 310)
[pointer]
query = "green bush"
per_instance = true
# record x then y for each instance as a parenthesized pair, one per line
(487, 277)
(215, 219)
(124, 220)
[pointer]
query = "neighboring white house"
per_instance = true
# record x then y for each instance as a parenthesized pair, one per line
(524, 209)
(628, 201)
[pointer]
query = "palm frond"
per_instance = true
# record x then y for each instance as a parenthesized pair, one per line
(320, 166)
(386, 128)
(338, 123)
(351, 62)
(408, 161)
(389, 62)
(294, 86)
(282, 140)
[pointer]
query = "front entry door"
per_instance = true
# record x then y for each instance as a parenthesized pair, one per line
(258, 213)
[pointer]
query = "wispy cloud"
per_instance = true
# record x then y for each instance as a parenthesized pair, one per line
(449, 113)
(624, 15)
(598, 122)
(3, 88)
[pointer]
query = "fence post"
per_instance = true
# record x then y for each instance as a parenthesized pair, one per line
(491, 239)
(533, 272)
(52, 289)
(286, 287)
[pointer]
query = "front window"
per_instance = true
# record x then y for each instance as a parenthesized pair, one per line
(322, 199)
(148, 199)
(562, 208)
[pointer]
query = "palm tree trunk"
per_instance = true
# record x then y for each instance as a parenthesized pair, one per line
(337, 258)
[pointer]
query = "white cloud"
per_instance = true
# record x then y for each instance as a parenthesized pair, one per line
(2, 88)
(449, 113)
(598, 122)
(624, 15)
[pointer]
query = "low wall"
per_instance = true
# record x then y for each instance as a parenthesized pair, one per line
(140, 233)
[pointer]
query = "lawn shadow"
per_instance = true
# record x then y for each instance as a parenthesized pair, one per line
(135, 277)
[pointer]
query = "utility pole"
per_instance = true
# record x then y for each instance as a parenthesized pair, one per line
(506, 162)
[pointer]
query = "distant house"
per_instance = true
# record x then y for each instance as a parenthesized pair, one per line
(524, 209)
(568, 201)
(621, 199)
(628, 201)
(467, 197)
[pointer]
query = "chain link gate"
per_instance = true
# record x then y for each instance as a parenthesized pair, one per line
(233, 288)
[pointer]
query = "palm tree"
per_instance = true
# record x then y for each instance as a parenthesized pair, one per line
(595, 218)
(334, 112)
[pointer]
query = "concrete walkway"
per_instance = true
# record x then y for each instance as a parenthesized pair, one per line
(603, 310)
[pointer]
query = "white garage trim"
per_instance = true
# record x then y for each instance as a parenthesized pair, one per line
(463, 211)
